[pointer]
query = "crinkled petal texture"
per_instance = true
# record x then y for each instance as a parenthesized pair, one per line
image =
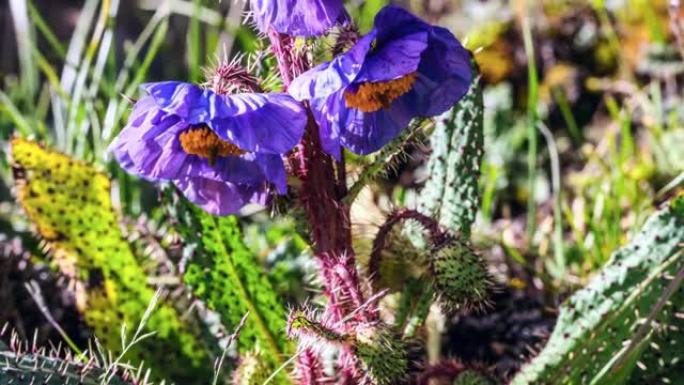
(400, 44)
(298, 17)
(149, 145)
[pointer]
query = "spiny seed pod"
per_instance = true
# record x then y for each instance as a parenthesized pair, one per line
(252, 370)
(383, 355)
(472, 377)
(460, 277)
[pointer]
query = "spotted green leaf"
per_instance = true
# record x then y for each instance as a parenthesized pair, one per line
(69, 203)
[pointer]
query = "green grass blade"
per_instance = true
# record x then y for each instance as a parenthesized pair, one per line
(532, 117)
(46, 31)
(77, 114)
(70, 70)
(10, 109)
(23, 31)
(193, 49)
(155, 29)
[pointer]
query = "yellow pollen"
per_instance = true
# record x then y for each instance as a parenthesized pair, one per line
(202, 141)
(372, 96)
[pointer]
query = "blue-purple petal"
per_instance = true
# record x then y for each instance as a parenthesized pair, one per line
(395, 58)
(330, 77)
(149, 147)
(221, 198)
(393, 22)
(273, 169)
(366, 132)
(266, 126)
(270, 123)
(188, 101)
(326, 112)
(146, 146)
(264, 123)
(444, 75)
(399, 44)
(298, 17)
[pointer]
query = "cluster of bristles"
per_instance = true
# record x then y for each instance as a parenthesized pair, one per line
(345, 38)
(230, 77)
(22, 362)
(379, 356)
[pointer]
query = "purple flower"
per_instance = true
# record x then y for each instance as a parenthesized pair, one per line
(402, 69)
(298, 17)
(221, 151)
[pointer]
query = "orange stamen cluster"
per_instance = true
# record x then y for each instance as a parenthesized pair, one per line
(203, 142)
(372, 96)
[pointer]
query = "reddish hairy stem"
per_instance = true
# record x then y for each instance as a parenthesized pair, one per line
(309, 370)
(328, 217)
(291, 61)
(322, 188)
(279, 43)
(321, 192)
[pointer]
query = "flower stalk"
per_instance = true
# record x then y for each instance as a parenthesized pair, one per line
(321, 194)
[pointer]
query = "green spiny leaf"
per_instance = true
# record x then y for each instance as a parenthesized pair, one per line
(596, 325)
(662, 360)
(69, 203)
(21, 366)
(451, 192)
(226, 275)
(31, 369)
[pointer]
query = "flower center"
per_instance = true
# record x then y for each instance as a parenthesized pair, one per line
(372, 96)
(203, 142)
